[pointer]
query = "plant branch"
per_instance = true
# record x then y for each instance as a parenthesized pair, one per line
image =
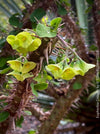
(64, 103)
(38, 112)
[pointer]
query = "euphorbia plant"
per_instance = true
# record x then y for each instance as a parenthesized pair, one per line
(25, 42)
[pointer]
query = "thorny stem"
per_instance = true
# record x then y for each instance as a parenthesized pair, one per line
(66, 44)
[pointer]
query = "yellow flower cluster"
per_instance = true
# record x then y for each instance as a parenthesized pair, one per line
(78, 67)
(21, 69)
(24, 42)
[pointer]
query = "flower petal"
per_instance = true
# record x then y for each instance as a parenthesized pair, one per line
(68, 73)
(55, 70)
(15, 65)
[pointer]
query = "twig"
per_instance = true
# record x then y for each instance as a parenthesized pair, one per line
(3, 97)
(38, 112)
(65, 43)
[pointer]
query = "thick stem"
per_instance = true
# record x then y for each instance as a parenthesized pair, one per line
(64, 103)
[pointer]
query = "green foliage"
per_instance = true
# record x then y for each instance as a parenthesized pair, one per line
(40, 86)
(44, 31)
(55, 23)
(3, 116)
(61, 10)
(48, 31)
(32, 132)
(90, 2)
(93, 47)
(42, 77)
(4, 71)
(33, 90)
(27, 112)
(77, 85)
(19, 121)
(14, 20)
(37, 14)
(3, 64)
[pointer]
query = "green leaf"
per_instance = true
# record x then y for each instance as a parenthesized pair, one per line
(90, 2)
(61, 10)
(15, 21)
(4, 71)
(88, 9)
(2, 62)
(3, 116)
(44, 31)
(40, 86)
(14, 32)
(33, 90)
(28, 112)
(77, 85)
(32, 132)
(37, 14)
(55, 23)
(42, 77)
(93, 47)
(19, 121)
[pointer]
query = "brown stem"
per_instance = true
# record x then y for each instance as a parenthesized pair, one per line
(38, 112)
(64, 103)
(3, 97)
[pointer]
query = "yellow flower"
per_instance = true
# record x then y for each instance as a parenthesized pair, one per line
(81, 67)
(15, 65)
(55, 70)
(68, 73)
